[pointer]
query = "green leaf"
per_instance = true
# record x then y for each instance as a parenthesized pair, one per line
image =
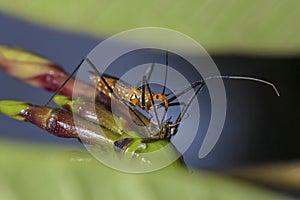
(232, 26)
(52, 172)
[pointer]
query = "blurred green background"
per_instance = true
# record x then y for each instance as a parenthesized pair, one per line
(265, 27)
(248, 26)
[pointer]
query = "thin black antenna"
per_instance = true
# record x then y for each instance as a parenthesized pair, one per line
(111, 90)
(64, 83)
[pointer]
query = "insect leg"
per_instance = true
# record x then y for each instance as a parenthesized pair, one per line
(143, 93)
(147, 74)
(152, 101)
(185, 90)
(102, 78)
(164, 89)
(64, 83)
(166, 74)
(185, 108)
(177, 104)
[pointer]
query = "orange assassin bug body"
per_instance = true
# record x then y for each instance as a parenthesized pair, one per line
(128, 92)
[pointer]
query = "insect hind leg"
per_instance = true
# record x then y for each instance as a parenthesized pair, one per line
(64, 83)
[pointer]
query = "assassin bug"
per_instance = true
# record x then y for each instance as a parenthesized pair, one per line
(167, 129)
(113, 136)
(140, 97)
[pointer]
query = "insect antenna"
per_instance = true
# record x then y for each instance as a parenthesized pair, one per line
(247, 78)
(112, 92)
(195, 84)
(202, 83)
(64, 83)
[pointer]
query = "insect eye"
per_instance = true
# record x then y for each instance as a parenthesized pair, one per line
(173, 131)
